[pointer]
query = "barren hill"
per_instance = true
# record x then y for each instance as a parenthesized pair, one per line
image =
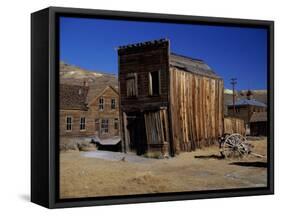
(73, 75)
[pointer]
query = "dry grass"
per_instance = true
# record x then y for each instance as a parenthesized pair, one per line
(200, 170)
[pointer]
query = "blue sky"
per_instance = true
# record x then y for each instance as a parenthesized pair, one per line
(229, 51)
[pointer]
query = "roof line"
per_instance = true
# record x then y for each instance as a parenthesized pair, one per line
(145, 43)
(184, 56)
(215, 76)
(98, 95)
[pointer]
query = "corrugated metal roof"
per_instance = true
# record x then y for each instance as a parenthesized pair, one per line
(192, 65)
(259, 117)
(252, 102)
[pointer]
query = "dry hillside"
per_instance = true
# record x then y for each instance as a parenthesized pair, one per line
(73, 75)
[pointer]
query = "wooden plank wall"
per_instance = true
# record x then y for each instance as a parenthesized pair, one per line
(156, 125)
(196, 109)
(139, 64)
(234, 125)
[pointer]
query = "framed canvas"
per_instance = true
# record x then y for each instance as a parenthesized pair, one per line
(139, 107)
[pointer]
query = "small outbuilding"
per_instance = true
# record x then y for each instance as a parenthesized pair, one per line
(258, 124)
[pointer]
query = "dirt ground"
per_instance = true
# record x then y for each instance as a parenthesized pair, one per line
(84, 176)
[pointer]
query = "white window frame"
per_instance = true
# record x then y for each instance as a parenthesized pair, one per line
(102, 128)
(101, 104)
(71, 123)
(82, 123)
(113, 99)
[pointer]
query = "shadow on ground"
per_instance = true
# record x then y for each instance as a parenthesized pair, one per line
(251, 164)
(213, 156)
(25, 197)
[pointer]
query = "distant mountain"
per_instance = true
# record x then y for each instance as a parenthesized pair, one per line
(73, 75)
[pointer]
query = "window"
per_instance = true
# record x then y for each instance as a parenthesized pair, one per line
(101, 103)
(97, 125)
(154, 83)
(131, 85)
(68, 123)
(104, 126)
(116, 124)
(82, 123)
(113, 103)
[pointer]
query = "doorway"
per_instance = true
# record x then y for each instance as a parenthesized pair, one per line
(136, 132)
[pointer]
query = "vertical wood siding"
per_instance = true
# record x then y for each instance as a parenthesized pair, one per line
(196, 104)
(234, 125)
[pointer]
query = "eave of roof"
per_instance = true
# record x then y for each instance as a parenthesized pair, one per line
(192, 65)
(259, 117)
(96, 93)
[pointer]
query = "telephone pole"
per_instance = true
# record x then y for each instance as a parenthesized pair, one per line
(233, 83)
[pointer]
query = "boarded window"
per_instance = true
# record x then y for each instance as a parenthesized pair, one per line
(82, 123)
(113, 103)
(104, 126)
(131, 85)
(68, 123)
(97, 125)
(154, 83)
(101, 103)
(116, 124)
(156, 127)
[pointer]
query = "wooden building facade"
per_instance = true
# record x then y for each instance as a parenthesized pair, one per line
(87, 112)
(168, 103)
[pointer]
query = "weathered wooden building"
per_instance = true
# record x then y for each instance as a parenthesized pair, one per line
(86, 111)
(73, 111)
(103, 113)
(258, 124)
(245, 107)
(168, 103)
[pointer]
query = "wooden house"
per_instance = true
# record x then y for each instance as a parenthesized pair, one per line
(73, 111)
(103, 113)
(245, 107)
(168, 103)
(258, 124)
(86, 111)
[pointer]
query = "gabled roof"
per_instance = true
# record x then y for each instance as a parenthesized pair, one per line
(259, 117)
(245, 101)
(192, 65)
(95, 92)
(73, 97)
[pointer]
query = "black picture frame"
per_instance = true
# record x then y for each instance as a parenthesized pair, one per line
(44, 103)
